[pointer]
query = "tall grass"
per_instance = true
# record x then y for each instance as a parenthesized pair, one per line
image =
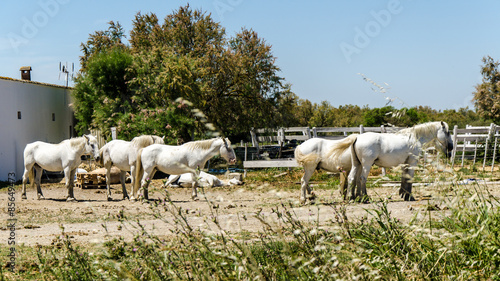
(464, 244)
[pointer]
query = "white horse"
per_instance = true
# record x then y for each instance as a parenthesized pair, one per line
(65, 156)
(123, 155)
(391, 150)
(172, 159)
(205, 180)
(317, 153)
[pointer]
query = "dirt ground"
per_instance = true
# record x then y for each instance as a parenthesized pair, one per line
(92, 219)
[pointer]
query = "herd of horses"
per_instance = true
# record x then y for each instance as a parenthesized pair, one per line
(146, 154)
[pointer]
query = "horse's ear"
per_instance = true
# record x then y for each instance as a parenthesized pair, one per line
(87, 137)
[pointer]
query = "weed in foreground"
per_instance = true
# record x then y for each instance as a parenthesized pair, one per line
(460, 246)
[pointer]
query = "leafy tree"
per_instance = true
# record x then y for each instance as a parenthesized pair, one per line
(349, 116)
(377, 116)
(102, 41)
(487, 95)
(101, 93)
(232, 83)
(303, 110)
(323, 115)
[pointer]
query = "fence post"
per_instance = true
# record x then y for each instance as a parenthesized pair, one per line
(486, 145)
(494, 147)
(281, 136)
(254, 138)
(245, 157)
(315, 132)
(454, 152)
(361, 129)
(308, 132)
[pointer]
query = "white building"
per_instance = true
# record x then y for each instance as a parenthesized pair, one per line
(30, 111)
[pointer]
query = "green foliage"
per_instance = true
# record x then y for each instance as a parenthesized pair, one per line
(101, 93)
(173, 122)
(487, 95)
(233, 81)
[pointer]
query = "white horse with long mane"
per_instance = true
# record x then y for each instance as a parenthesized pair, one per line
(64, 156)
(316, 153)
(123, 155)
(173, 159)
(385, 150)
(391, 150)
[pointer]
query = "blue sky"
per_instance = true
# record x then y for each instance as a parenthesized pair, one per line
(428, 52)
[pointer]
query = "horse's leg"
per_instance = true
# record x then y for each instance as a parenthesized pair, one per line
(148, 175)
(305, 189)
(108, 181)
(38, 181)
(352, 181)
(69, 175)
(407, 179)
(343, 184)
(123, 175)
(194, 193)
(361, 193)
(27, 170)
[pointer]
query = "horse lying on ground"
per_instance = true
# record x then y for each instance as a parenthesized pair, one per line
(178, 159)
(205, 180)
(64, 156)
(123, 155)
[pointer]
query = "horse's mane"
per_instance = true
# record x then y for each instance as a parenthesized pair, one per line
(204, 144)
(421, 130)
(146, 140)
(76, 143)
(201, 144)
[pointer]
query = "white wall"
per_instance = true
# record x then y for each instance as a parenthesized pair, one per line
(36, 102)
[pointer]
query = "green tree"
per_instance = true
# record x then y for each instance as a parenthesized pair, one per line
(102, 41)
(377, 116)
(487, 95)
(231, 83)
(101, 93)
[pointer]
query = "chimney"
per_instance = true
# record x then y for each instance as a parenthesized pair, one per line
(26, 73)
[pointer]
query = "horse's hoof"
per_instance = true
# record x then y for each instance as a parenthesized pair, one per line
(302, 201)
(40, 197)
(70, 199)
(195, 198)
(24, 197)
(110, 199)
(409, 198)
(311, 196)
(132, 199)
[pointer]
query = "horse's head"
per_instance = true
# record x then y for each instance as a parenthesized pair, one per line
(444, 140)
(91, 146)
(227, 152)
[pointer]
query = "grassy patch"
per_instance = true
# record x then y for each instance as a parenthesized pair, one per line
(461, 246)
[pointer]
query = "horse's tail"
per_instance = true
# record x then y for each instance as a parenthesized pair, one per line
(100, 159)
(354, 156)
(342, 145)
(139, 171)
(302, 158)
